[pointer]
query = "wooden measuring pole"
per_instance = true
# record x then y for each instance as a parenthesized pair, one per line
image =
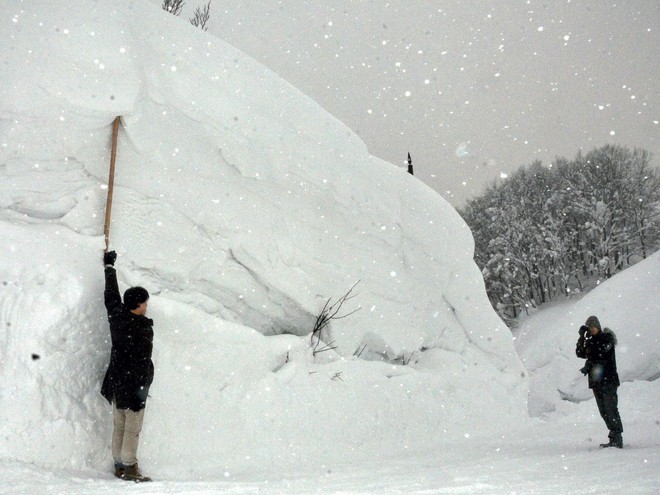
(111, 183)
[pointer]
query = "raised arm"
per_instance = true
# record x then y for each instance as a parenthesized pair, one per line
(111, 295)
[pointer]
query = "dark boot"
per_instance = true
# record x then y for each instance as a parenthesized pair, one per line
(133, 473)
(119, 470)
(616, 440)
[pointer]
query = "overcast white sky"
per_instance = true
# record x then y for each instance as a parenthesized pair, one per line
(472, 89)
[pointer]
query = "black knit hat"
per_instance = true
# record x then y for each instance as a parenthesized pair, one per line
(135, 296)
(592, 321)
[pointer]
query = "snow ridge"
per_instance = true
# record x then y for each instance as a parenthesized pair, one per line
(242, 206)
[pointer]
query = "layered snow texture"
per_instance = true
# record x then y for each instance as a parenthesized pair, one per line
(243, 207)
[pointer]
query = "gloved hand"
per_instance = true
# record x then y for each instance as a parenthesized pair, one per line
(140, 399)
(109, 258)
(586, 369)
(583, 331)
(143, 393)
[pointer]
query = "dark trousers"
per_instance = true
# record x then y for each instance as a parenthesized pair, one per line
(608, 407)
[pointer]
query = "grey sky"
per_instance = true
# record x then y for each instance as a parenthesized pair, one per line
(472, 89)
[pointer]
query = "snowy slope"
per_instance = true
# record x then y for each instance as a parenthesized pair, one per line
(242, 206)
(627, 304)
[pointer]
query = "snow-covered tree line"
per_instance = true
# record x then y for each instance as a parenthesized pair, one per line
(551, 231)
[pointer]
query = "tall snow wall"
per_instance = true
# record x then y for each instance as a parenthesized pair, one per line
(243, 207)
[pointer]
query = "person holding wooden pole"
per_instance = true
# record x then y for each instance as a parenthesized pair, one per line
(131, 370)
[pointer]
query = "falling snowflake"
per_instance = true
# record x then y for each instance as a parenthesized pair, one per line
(462, 150)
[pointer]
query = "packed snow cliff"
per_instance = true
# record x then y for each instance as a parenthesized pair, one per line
(242, 207)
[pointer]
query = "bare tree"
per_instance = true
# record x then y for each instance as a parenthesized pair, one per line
(201, 17)
(328, 313)
(174, 7)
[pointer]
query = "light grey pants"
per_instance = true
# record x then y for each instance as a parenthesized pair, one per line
(126, 434)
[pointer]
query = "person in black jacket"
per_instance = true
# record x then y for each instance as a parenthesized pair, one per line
(130, 372)
(597, 347)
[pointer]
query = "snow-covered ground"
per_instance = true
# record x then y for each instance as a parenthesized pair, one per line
(557, 455)
(243, 207)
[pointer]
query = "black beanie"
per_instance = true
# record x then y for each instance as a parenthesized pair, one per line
(592, 321)
(135, 296)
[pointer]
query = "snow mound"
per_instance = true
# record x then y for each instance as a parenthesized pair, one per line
(243, 207)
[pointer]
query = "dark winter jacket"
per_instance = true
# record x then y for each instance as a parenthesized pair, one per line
(599, 352)
(131, 370)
